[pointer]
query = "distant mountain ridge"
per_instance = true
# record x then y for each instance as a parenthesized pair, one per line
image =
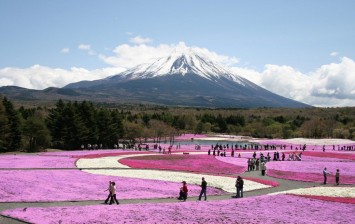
(184, 78)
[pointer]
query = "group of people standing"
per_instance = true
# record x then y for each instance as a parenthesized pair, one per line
(325, 175)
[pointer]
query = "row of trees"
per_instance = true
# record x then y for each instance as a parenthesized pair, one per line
(68, 125)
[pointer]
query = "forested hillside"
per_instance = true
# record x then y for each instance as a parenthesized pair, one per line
(68, 125)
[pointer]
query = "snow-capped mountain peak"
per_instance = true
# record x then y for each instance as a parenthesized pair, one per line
(182, 60)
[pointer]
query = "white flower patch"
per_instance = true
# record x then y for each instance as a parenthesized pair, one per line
(346, 192)
(225, 183)
(105, 162)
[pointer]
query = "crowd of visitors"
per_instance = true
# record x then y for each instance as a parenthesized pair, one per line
(253, 164)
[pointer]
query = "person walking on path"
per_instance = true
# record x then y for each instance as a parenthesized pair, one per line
(263, 168)
(203, 189)
(337, 177)
(325, 174)
(184, 190)
(113, 194)
(239, 184)
(109, 190)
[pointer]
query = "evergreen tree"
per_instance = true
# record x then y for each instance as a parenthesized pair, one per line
(13, 139)
(56, 125)
(88, 114)
(36, 134)
(4, 129)
(66, 126)
(117, 121)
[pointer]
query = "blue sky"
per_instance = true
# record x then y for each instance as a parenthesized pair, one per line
(303, 35)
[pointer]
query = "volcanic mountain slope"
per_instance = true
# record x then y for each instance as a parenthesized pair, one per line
(186, 77)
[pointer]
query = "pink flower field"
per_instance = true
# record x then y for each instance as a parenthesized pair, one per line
(74, 185)
(54, 177)
(25, 161)
(333, 155)
(309, 177)
(83, 153)
(262, 209)
(100, 155)
(192, 163)
(311, 171)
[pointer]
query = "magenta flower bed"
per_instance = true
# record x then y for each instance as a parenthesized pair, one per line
(327, 198)
(309, 177)
(241, 162)
(68, 185)
(26, 161)
(192, 163)
(262, 209)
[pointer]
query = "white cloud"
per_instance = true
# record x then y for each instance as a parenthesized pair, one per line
(41, 77)
(140, 40)
(222, 59)
(65, 50)
(87, 48)
(334, 53)
(84, 47)
(329, 86)
(335, 80)
(127, 56)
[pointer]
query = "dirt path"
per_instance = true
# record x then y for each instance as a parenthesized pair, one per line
(284, 185)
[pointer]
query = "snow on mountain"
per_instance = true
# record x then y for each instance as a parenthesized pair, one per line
(182, 60)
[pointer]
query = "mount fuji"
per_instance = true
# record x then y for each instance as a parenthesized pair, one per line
(186, 77)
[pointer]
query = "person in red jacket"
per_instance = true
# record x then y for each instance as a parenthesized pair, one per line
(185, 190)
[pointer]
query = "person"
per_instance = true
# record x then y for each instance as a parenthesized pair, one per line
(203, 189)
(237, 188)
(325, 174)
(185, 190)
(337, 177)
(263, 168)
(239, 185)
(249, 164)
(181, 194)
(113, 193)
(257, 164)
(109, 190)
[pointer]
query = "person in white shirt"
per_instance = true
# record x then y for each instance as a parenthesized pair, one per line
(109, 190)
(113, 193)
